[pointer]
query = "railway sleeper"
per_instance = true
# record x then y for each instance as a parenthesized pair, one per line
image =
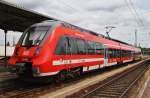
(114, 88)
(118, 86)
(109, 93)
(106, 95)
(112, 91)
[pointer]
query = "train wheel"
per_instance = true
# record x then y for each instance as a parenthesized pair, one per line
(119, 63)
(78, 72)
(75, 73)
(60, 77)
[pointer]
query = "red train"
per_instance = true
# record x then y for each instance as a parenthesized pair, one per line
(56, 48)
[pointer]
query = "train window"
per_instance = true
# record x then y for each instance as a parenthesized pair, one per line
(91, 47)
(99, 48)
(123, 53)
(68, 47)
(113, 53)
(73, 45)
(110, 53)
(62, 46)
(81, 46)
(126, 53)
(34, 36)
(116, 53)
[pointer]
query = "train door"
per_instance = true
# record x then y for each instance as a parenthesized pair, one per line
(105, 56)
(120, 56)
(62, 50)
(68, 53)
(71, 50)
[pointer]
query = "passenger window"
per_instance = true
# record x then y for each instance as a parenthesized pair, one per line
(110, 53)
(62, 46)
(99, 48)
(91, 47)
(73, 46)
(81, 46)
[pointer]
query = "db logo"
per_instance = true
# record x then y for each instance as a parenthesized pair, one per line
(26, 53)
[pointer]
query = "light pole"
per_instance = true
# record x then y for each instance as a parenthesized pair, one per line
(136, 37)
(108, 29)
(5, 31)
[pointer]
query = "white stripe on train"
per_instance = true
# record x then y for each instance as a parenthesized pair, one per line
(86, 68)
(75, 61)
(127, 61)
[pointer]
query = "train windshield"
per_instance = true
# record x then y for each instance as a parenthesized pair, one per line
(34, 35)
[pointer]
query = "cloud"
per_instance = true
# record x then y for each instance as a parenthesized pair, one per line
(96, 14)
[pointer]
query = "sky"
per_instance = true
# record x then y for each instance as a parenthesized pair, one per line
(126, 16)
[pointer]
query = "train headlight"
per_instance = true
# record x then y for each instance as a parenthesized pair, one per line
(37, 51)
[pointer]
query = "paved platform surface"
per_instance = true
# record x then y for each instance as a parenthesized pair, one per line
(145, 90)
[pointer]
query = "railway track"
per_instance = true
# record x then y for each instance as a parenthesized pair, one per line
(21, 89)
(120, 85)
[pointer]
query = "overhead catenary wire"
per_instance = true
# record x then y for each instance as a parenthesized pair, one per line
(67, 5)
(134, 12)
(130, 4)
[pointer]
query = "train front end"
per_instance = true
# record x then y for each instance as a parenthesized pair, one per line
(32, 52)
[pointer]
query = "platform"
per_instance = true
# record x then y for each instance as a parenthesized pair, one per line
(145, 87)
(146, 93)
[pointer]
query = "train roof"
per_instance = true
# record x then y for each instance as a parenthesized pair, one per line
(94, 33)
(68, 25)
